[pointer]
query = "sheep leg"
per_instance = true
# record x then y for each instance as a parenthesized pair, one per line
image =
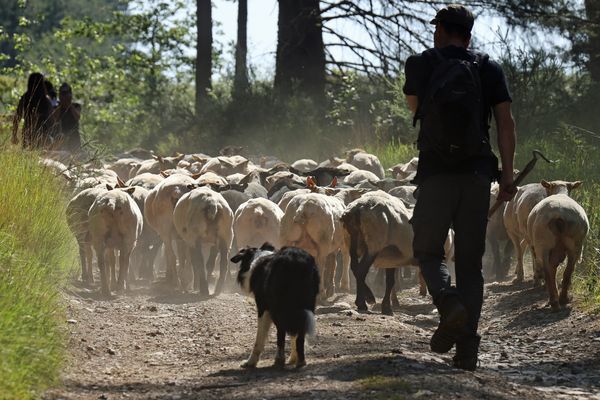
(395, 302)
(280, 356)
(299, 345)
(366, 262)
(171, 275)
(294, 351)
(262, 334)
(89, 256)
(147, 267)
(505, 260)
(328, 279)
(112, 263)
(123, 269)
(354, 266)
(85, 278)
(422, 284)
(386, 306)
(520, 246)
(563, 300)
(223, 267)
(538, 270)
(379, 281)
(363, 293)
(200, 283)
(184, 274)
(345, 281)
(210, 264)
(101, 254)
(550, 274)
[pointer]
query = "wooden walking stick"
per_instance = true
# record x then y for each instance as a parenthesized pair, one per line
(520, 178)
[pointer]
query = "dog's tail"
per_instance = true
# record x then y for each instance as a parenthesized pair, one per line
(311, 323)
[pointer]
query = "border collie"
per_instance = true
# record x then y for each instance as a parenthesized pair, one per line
(285, 285)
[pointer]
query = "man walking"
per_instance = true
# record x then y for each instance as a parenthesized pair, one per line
(453, 92)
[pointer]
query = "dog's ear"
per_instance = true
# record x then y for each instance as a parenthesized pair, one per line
(239, 256)
(267, 247)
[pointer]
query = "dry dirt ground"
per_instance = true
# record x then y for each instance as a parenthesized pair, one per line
(151, 345)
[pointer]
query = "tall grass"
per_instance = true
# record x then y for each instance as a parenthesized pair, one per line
(36, 251)
(392, 153)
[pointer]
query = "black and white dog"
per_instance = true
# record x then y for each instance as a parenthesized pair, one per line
(285, 285)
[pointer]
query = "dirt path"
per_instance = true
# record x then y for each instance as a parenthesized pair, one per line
(148, 346)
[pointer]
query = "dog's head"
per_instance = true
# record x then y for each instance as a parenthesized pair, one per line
(246, 257)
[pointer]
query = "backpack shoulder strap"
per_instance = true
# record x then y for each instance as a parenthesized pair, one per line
(435, 58)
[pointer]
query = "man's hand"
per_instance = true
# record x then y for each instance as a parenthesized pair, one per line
(507, 188)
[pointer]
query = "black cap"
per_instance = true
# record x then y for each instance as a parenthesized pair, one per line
(455, 14)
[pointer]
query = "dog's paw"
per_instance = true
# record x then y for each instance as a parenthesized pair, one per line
(248, 364)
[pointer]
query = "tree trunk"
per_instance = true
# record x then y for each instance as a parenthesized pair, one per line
(592, 10)
(300, 59)
(203, 51)
(240, 83)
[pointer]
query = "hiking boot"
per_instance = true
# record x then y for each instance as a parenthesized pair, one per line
(453, 318)
(466, 353)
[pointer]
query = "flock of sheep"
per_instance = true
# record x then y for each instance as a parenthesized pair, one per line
(344, 211)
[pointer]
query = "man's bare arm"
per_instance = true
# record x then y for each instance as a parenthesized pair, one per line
(413, 103)
(506, 145)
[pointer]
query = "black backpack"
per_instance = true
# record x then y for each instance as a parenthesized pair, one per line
(451, 109)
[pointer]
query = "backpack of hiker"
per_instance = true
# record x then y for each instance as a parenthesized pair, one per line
(452, 109)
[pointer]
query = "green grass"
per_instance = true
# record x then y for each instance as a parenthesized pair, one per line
(392, 153)
(387, 387)
(36, 252)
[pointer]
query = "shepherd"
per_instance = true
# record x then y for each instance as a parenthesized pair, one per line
(453, 91)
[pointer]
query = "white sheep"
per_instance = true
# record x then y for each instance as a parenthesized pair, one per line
(360, 176)
(115, 223)
(380, 233)
(203, 219)
(257, 221)
(365, 161)
(312, 222)
(158, 210)
(305, 165)
(78, 222)
(557, 227)
(515, 221)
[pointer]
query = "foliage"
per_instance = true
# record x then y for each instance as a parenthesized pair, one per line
(35, 255)
(131, 94)
(37, 19)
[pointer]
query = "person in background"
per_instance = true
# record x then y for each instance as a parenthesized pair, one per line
(36, 110)
(67, 116)
(51, 93)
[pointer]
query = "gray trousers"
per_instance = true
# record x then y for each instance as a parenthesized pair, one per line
(461, 202)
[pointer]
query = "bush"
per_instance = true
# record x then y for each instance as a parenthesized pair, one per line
(36, 252)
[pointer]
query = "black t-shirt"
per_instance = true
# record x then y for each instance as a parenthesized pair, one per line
(69, 129)
(418, 70)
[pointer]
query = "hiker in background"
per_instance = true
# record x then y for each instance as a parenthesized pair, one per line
(67, 119)
(36, 110)
(51, 92)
